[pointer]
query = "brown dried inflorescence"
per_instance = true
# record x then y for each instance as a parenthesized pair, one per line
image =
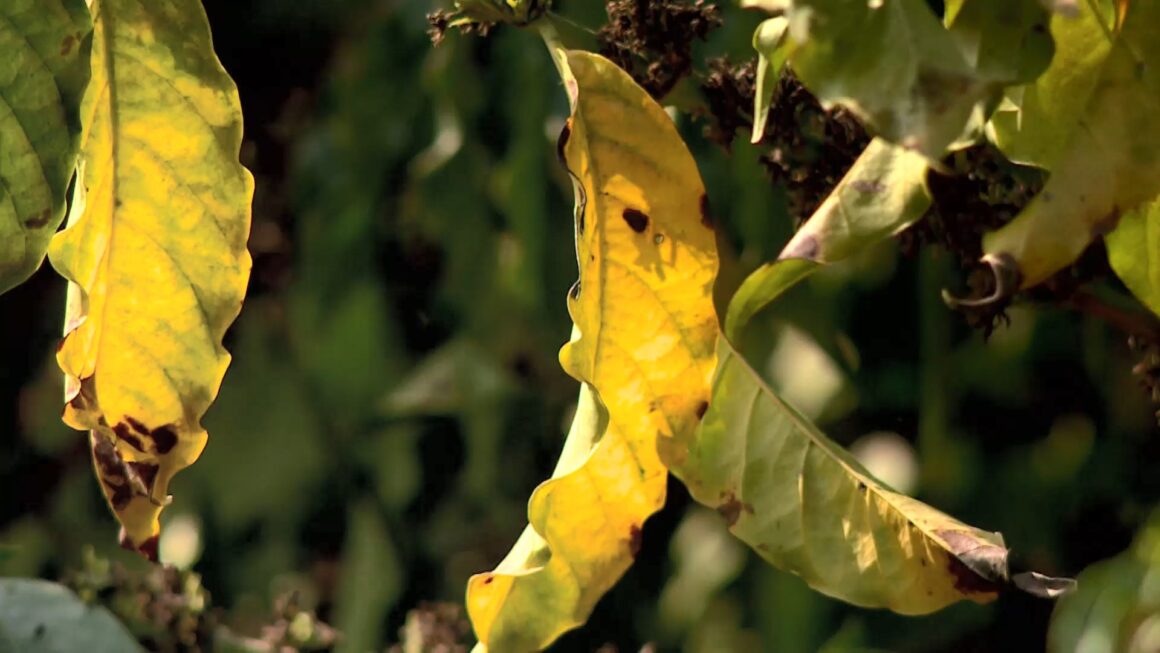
(653, 39)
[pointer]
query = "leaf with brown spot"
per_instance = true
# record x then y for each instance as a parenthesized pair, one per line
(642, 346)
(801, 501)
(45, 46)
(155, 251)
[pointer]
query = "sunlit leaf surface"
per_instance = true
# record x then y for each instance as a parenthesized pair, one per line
(43, 73)
(642, 345)
(1091, 120)
(155, 251)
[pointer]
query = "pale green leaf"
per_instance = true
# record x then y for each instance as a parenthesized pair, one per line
(767, 40)
(37, 616)
(43, 73)
(891, 62)
(1116, 608)
(642, 346)
(1134, 253)
(1102, 147)
(883, 192)
(1002, 40)
(155, 251)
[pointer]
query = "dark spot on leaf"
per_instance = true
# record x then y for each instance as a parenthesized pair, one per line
(731, 508)
(922, 561)
(39, 220)
(147, 472)
(637, 221)
(117, 202)
(123, 432)
(634, 539)
(66, 45)
(137, 425)
(861, 486)
(489, 579)
(804, 248)
(148, 548)
(38, 632)
(867, 186)
(701, 408)
(565, 133)
(574, 291)
(164, 438)
(978, 566)
(706, 213)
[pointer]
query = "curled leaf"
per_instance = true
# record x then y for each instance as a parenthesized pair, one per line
(883, 192)
(642, 346)
(46, 45)
(155, 251)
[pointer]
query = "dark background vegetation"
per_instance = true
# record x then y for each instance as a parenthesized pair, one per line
(395, 395)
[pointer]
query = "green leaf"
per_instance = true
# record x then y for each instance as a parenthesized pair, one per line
(642, 346)
(39, 616)
(1003, 40)
(767, 40)
(808, 507)
(1117, 605)
(155, 251)
(1105, 159)
(1134, 252)
(882, 193)
(891, 62)
(43, 73)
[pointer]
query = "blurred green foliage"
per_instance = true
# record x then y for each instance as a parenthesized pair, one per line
(395, 395)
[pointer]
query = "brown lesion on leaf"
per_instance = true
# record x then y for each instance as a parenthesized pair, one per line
(707, 219)
(562, 143)
(39, 220)
(164, 437)
(978, 567)
(731, 508)
(148, 548)
(636, 220)
(124, 433)
(66, 45)
(635, 538)
(702, 408)
(112, 471)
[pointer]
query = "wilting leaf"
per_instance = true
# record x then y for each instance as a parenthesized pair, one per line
(883, 192)
(155, 251)
(37, 615)
(1116, 608)
(891, 62)
(642, 346)
(1134, 252)
(43, 74)
(1108, 161)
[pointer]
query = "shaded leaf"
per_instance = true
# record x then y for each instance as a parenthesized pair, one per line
(155, 250)
(37, 615)
(883, 192)
(1101, 140)
(1117, 605)
(1134, 253)
(43, 73)
(642, 346)
(1004, 41)
(891, 62)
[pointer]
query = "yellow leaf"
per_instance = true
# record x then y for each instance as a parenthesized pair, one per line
(155, 251)
(643, 346)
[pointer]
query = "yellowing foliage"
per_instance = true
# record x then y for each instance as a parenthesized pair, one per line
(155, 251)
(643, 343)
